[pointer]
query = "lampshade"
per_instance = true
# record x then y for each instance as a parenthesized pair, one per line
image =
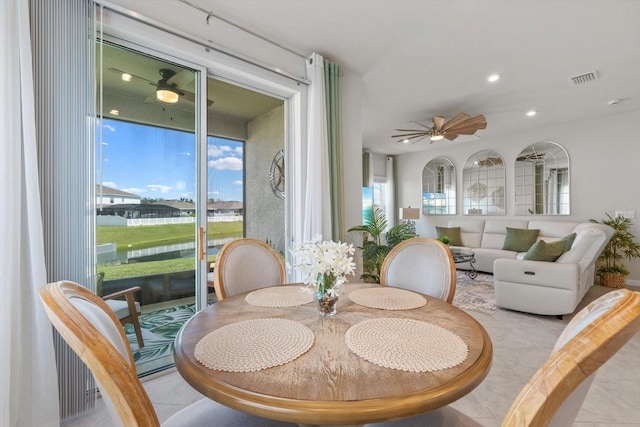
(437, 137)
(167, 95)
(409, 213)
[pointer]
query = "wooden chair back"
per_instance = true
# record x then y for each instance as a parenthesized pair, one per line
(554, 395)
(247, 264)
(422, 265)
(93, 331)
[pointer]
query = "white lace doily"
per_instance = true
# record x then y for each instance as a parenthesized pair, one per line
(406, 345)
(252, 345)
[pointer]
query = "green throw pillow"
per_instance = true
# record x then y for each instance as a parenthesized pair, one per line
(519, 239)
(543, 251)
(568, 239)
(453, 233)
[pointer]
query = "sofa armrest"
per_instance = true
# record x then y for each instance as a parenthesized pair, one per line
(537, 273)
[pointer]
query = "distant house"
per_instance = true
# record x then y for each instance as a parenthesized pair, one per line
(185, 208)
(137, 211)
(225, 208)
(106, 196)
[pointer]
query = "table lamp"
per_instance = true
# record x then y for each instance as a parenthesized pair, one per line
(408, 215)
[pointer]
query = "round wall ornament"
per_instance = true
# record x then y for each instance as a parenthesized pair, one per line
(276, 174)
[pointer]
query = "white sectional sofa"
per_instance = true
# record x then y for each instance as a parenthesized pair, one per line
(539, 287)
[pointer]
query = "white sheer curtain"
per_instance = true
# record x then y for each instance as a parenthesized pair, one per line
(390, 208)
(28, 380)
(317, 206)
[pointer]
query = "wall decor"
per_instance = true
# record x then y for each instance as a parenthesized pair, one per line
(483, 180)
(541, 180)
(439, 187)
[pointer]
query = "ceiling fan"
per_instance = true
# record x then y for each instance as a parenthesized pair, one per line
(461, 124)
(170, 87)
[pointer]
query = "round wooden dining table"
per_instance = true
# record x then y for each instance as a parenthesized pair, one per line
(329, 384)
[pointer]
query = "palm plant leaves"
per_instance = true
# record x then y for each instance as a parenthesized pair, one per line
(373, 251)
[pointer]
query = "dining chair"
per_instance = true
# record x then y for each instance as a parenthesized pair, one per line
(247, 264)
(210, 273)
(554, 395)
(127, 310)
(92, 330)
(423, 265)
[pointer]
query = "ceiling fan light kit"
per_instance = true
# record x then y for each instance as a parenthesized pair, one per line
(461, 124)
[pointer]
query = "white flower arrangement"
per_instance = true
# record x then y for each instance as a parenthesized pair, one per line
(325, 264)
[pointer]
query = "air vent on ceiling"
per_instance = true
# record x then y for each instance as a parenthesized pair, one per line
(584, 78)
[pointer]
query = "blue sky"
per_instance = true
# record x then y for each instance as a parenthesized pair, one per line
(160, 163)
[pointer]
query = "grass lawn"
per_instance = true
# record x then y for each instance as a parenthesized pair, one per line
(148, 236)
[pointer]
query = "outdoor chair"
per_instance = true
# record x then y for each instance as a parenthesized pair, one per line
(247, 264)
(93, 331)
(423, 265)
(126, 310)
(555, 393)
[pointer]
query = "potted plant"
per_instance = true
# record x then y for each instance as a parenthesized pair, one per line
(373, 248)
(445, 240)
(621, 246)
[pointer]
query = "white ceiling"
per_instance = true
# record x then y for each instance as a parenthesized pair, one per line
(418, 58)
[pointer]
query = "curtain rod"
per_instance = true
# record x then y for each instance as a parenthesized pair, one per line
(206, 44)
(246, 30)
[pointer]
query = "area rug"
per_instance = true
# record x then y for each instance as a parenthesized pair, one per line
(159, 329)
(475, 294)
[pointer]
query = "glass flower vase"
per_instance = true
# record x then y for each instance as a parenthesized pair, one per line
(327, 304)
(326, 295)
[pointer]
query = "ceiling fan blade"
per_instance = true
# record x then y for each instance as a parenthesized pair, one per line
(151, 82)
(411, 135)
(438, 122)
(450, 136)
(468, 128)
(456, 120)
(190, 96)
(182, 78)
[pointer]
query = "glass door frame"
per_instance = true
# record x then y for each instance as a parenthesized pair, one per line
(124, 27)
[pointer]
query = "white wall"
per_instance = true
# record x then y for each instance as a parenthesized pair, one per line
(604, 158)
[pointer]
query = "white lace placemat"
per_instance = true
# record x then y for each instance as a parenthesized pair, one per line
(279, 296)
(406, 345)
(252, 345)
(387, 298)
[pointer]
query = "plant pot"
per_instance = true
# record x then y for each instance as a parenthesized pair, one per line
(612, 280)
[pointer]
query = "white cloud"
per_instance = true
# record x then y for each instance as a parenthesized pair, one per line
(217, 150)
(109, 127)
(184, 153)
(180, 185)
(214, 193)
(226, 163)
(238, 182)
(135, 190)
(239, 150)
(110, 184)
(161, 188)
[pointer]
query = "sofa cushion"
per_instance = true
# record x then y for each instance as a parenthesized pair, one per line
(543, 251)
(496, 229)
(568, 239)
(519, 239)
(453, 233)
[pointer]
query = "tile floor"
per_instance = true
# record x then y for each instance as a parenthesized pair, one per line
(522, 342)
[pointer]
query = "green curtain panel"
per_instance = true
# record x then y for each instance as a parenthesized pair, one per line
(334, 127)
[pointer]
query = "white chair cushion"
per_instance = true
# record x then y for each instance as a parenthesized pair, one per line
(207, 412)
(120, 307)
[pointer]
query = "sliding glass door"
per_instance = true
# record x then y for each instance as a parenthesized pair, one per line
(147, 193)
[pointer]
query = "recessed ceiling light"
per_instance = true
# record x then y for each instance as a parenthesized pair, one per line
(531, 113)
(493, 78)
(406, 141)
(115, 112)
(126, 77)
